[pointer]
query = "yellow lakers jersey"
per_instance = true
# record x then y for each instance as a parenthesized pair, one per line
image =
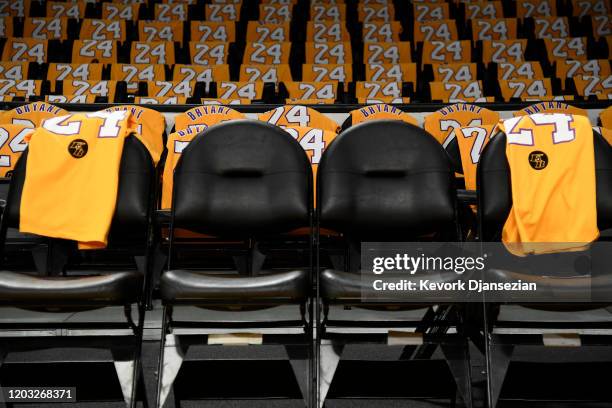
(206, 115)
(32, 114)
(176, 143)
(378, 112)
(605, 117)
(547, 185)
(150, 126)
(12, 144)
(552, 107)
(314, 142)
(471, 141)
(72, 176)
(299, 115)
(443, 122)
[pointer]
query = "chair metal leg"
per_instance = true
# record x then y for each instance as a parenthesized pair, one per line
(498, 360)
(299, 358)
(171, 356)
(124, 359)
(330, 354)
(457, 357)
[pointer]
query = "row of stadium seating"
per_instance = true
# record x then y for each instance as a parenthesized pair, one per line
(228, 184)
(377, 30)
(329, 92)
(342, 10)
(437, 58)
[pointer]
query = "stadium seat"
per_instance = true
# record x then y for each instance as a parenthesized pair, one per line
(85, 290)
(355, 171)
(237, 171)
(522, 323)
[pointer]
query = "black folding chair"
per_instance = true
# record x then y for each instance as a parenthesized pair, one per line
(239, 181)
(385, 181)
(91, 308)
(581, 315)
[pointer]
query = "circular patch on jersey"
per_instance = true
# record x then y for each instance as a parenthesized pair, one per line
(78, 148)
(538, 160)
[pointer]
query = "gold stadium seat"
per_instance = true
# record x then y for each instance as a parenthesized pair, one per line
(201, 73)
(459, 91)
(483, 10)
(381, 31)
(223, 31)
(445, 52)
(25, 88)
(387, 53)
(45, 28)
(574, 48)
(435, 30)
(25, 49)
(582, 8)
(422, 12)
(265, 73)
(329, 53)
(565, 69)
(516, 70)
(536, 8)
(131, 74)
(238, 90)
(550, 27)
(208, 53)
(327, 12)
(169, 89)
(267, 32)
(100, 51)
(326, 73)
(157, 52)
(149, 31)
(15, 70)
(94, 29)
(367, 13)
(601, 25)
(526, 89)
(327, 31)
(267, 53)
(120, 11)
(275, 13)
(108, 90)
(494, 29)
(328, 91)
(84, 72)
(166, 12)
(223, 12)
(18, 8)
(55, 9)
(459, 71)
(368, 90)
(502, 51)
(404, 72)
(591, 87)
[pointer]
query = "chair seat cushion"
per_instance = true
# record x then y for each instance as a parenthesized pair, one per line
(185, 286)
(118, 287)
(347, 287)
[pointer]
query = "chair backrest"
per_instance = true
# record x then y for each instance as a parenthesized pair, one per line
(242, 179)
(386, 180)
(134, 197)
(495, 192)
